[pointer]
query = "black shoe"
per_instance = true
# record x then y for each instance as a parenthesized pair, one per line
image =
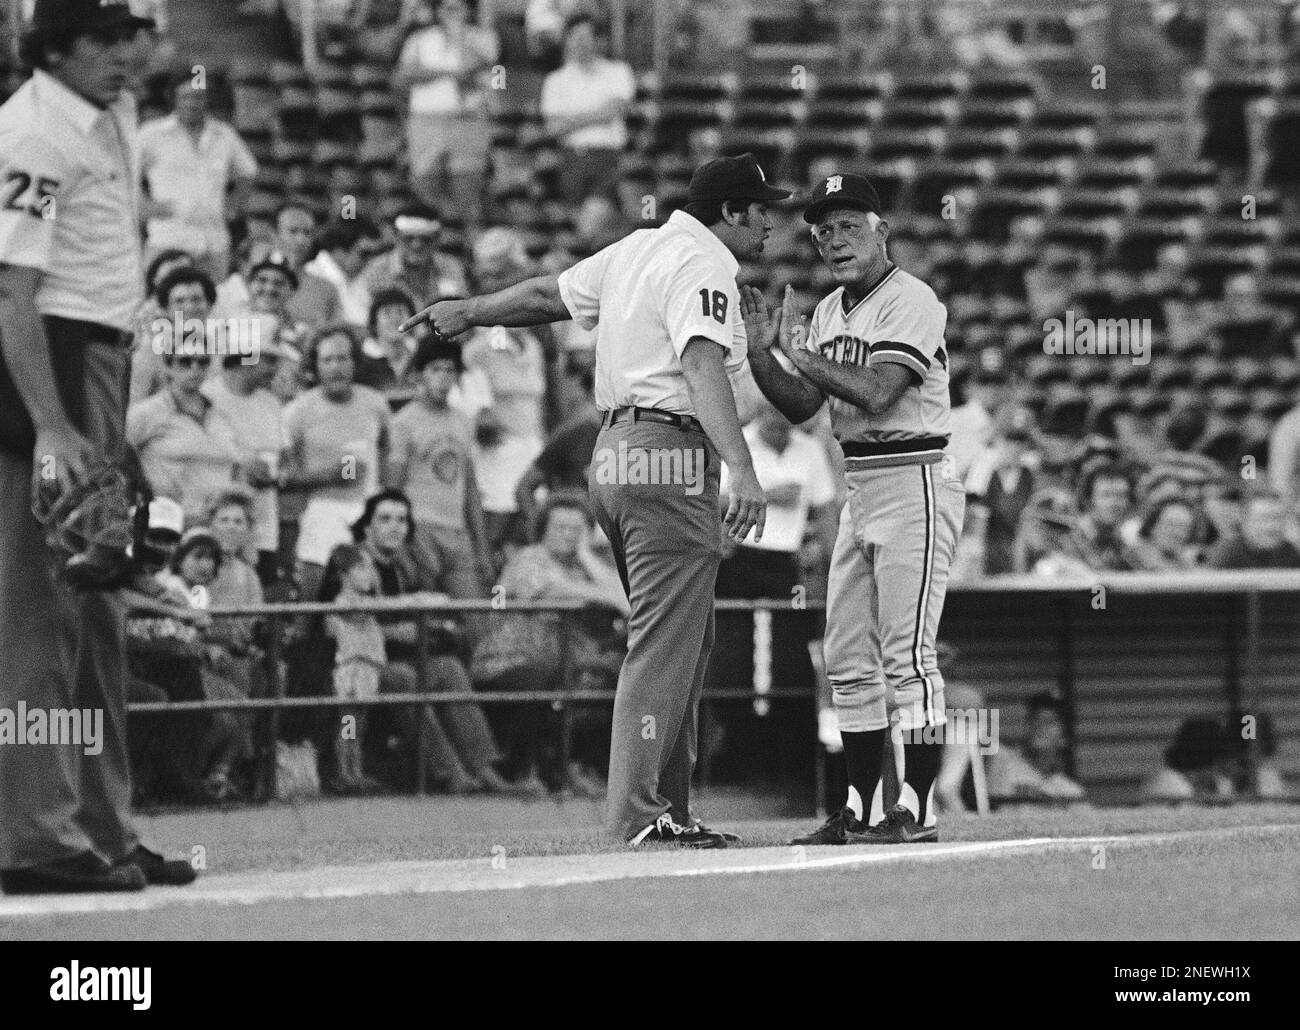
(835, 830)
(898, 827)
(727, 835)
(665, 831)
(159, 871)
(85, 873)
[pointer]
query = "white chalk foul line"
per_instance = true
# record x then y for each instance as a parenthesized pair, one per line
(476, 875)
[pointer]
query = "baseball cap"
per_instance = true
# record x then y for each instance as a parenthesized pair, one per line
(86, 16)
(732, 178)
(277, 261)
(847, 190)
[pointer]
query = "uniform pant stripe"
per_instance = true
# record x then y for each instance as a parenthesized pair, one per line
(922, 601)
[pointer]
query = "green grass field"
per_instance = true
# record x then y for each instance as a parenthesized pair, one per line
(441, 868)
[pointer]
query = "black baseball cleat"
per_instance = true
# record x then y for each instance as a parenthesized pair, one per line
(664, 831)
(727, 835)
(85, 873)
(159, 871)
(898, 827)
(835, 830)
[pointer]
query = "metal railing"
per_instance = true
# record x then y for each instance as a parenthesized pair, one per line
(1240, 635)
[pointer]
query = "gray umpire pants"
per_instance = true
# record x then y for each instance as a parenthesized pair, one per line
(654, 488)
(61, 650)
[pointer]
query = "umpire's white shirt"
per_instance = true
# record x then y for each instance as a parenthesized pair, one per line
(646, 296)
(69, 201)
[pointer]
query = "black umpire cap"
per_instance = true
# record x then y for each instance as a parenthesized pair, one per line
(848, 190)
(86, 16)
(732, 178)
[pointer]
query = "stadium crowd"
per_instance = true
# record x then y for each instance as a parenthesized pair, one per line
(320, 453)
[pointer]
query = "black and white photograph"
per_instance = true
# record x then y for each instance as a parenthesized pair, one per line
(678, 470)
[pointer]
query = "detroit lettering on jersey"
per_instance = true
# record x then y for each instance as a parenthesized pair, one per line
(846, 350)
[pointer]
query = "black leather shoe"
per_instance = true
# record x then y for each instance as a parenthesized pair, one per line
(898, 827)
(835, 830)
(159, 871)
(727, 835)
(664, 831)
(85, 873)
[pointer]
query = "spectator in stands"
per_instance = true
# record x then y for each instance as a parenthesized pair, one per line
(189, 160)
(461, 751)
(379, 26)
(193, 567)
(430, 460)
(347, 245)
(444, 69)
(1261, 542)
(1244, 324)
(544, 24)
(315, 300)
(1195, 767)
(523, 651)
(151, 309)
(359, 659)
(1179, 461)
(240, 395)
(1000, 483)
(1269, 784)
(1035, 772)
(584, 103)
(235, 584)
(389, 353)
(183, 293)
(187, 450)
(1095, 544)
(566, 455)
(266, 288)
(1169, 537)
(336, 437)
(972, 423)
(416, 265)
(1284, 459)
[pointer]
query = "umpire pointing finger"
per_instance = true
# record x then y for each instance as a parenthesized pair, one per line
(669, 340)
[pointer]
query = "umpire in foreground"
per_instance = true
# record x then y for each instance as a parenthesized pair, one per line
(70, 282)
(666, 310)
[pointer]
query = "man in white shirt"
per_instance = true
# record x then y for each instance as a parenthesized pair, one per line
(584, 104)
(346, 246)
(188, 161)
(669, 345)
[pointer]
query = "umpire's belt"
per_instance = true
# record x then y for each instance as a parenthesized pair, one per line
(634, 414)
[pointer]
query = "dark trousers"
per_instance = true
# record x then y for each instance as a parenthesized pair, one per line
(667, 542)
(61, 650)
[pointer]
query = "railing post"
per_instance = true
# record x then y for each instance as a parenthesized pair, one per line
(566, 721)
(1065, 657)
(422, 686)
(265, 787)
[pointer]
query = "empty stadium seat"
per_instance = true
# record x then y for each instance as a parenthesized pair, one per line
(918, 114)
(1020, 174)
(891, 144)
(994, 114)
(1161, 202)
(1111, 172)
(1043, 144)
(967, 144)
(930, 87)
